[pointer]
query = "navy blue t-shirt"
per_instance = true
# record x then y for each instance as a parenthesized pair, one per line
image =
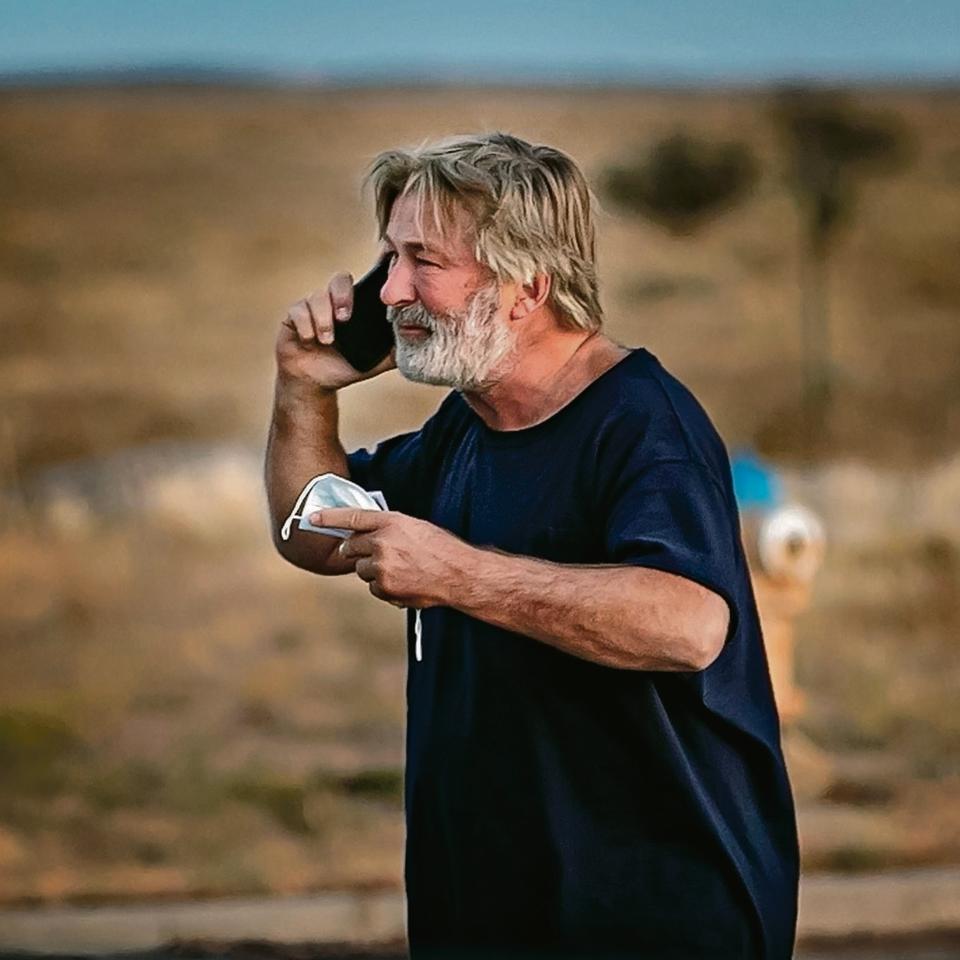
(556, 806)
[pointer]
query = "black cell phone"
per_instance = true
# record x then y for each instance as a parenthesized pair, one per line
(367, 337)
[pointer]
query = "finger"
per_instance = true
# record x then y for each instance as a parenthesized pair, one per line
(298, 317)
(341, 296)
(381, 594)
(358, 545)
(350, 518)
(320, 317)
(365, 569)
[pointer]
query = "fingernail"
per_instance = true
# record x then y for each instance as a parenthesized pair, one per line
(342, 313)
(315, 518)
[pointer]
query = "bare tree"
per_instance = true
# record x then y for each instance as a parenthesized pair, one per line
(830, 143)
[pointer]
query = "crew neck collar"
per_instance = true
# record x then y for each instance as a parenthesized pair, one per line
(526, 434)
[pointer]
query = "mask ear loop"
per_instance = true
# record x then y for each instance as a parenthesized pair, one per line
(304, 493)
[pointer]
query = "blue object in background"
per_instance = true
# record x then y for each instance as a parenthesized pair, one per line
(755, 483)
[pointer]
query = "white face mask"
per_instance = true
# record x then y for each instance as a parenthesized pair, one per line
(329, 490)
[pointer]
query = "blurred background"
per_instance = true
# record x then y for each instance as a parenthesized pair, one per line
(184, 716)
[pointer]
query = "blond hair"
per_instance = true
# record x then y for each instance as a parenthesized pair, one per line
(530, 206)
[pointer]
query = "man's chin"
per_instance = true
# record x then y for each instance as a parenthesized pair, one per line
(434, 380)
(417, 375)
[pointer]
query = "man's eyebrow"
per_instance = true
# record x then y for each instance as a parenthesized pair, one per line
(412, 244)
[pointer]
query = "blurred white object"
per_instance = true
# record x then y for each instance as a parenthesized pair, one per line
(791, 543)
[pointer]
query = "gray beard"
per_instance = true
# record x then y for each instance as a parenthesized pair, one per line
(465, 349)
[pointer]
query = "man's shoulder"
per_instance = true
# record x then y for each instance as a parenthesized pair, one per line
(654, 408)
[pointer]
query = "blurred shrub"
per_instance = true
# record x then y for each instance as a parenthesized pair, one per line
(282, 800)
(134, 784)
(32, 748)
(683, 182)
(652, 288)
(382, 784)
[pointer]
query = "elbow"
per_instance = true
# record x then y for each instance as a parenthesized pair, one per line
(709, 632)
(291, 557)
(313, 556)
(283, 547)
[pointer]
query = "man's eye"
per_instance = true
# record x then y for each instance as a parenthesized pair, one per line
(429, 263)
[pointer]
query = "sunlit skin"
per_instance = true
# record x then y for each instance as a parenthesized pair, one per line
(617, 615)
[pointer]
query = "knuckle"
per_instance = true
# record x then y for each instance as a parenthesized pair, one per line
(320, 319)
(387, 580)
(298, 315)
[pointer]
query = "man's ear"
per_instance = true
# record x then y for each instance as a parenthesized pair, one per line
(530, 296)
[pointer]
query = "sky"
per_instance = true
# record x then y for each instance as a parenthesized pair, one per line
(494, 40)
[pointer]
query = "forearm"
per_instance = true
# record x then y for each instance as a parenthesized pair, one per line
(616, 615)
(303, 442)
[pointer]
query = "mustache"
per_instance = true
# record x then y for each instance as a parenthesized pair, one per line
(414, 315)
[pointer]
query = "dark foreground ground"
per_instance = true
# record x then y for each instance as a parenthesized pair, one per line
(941, 945)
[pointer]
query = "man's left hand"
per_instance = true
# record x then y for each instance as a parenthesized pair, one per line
(405, 561)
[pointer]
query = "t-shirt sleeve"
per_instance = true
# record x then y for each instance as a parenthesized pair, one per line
(394, 467)
(404, 467)
(673, 516)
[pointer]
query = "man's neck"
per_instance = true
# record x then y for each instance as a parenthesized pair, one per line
(546, 377)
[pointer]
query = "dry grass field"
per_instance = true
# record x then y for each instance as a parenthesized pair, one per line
(181, 712)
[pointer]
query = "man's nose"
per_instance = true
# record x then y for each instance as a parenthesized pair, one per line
(398, 291)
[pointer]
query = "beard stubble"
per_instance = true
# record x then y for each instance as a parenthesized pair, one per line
(467, 349)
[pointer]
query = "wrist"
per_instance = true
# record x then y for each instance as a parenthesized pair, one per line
(301, 386)
(303, 409)
(475, 574)
(465, 569)
(292, 392)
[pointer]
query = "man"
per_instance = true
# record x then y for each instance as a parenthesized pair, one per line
(593, 754)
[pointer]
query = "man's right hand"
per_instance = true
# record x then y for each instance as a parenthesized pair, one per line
(305, 349)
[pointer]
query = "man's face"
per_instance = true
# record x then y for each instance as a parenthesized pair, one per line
(444, 307)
